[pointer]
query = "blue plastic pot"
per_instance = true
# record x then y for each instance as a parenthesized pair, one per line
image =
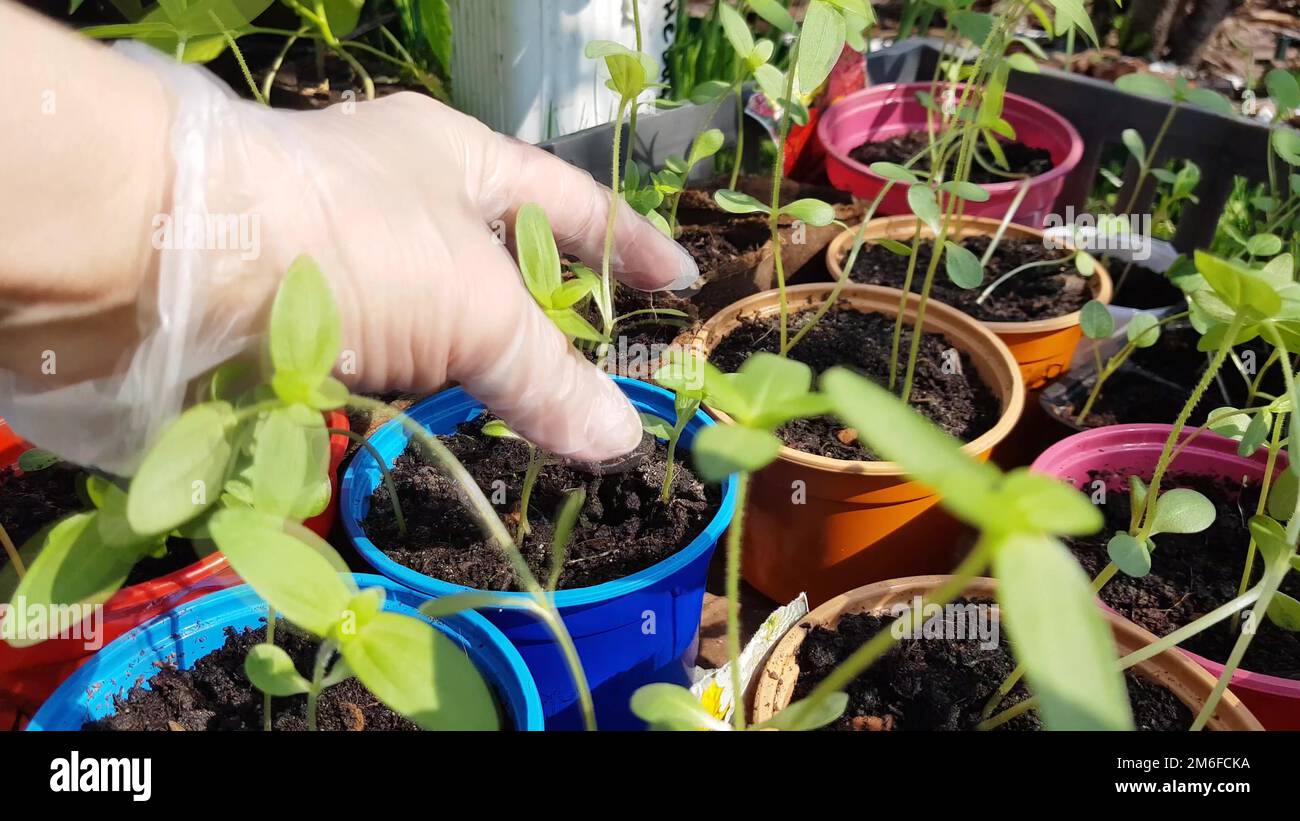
(188, 633)
(637, 630)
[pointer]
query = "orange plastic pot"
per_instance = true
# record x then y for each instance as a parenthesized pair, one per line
(1190, 683)
(819, 525)
(29, 674)
(1042, 348)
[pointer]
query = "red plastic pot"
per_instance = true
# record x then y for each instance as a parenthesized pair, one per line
(885, 111)
(29, 674)
(1127, 449)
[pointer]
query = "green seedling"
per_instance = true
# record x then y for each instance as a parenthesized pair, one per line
(536, 461)
(1143, 331)
(244, 473)
(539, 262)
(764, 394)
(686, 401)
(818, 42)
(672, 181)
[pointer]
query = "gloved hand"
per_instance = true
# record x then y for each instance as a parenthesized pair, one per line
(396, 200)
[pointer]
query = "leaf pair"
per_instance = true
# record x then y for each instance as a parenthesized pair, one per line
(413, 668)
(814, 212)
(539, 262)
(766, 392)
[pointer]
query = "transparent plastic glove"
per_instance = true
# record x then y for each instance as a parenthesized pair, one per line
(397, 200)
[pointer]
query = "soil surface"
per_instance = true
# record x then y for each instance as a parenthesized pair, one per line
(31, 501)
(640, 340)
(943, 684)
(946, 389)
(1036, 293)
(623, 526)
(714, 247)
(1155, 382)
(216, 695)
(1192, 574)
(1142, 288)
(1021, 158)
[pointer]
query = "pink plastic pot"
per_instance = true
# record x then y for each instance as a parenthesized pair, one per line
(885, 111)
(1126, 449)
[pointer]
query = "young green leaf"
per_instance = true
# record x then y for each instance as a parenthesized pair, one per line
(812, 211)
(72, 567)
(1284, 611)
(1282, 88)
(1264, 245)
(821, 40)
(289, 475)
(421, 673)
(721, 450)
(183, 471)
(1096, 320)
(1255, 434)
(306, 333)
(1271, 540)
(973, 25)
(1143, 329)
(963, 267)
(1237, 286)
(292, 576)
(797, 716)
(1286, 144)
(735, 29)
(673, 707)
(774, 13)
(1282, 496)
(708, 91)
(271, 670)
(1182, 510)
(1129, 555)
(1059, 635)
(920, 198)
(1032, 502)
(1022, 62)
(893, 171)
(35, 459)
(1147, 85)
(655, 426)
(735, 202)
(539, 259)
(705, 145)
(965, 190)
(1084, 263)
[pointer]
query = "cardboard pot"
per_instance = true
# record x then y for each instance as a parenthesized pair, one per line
(818, 525)
(1171, 670)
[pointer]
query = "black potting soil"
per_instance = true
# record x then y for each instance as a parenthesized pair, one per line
(1036, 293)
(1192, 574)
(31, 501)
(947, 389)
(623, 527)
(944, 683)
(715, 247)
(1021, 158)
(1141, 288)
(215, 694)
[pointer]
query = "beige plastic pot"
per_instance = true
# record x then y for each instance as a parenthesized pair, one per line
(819, 525)
(1171, 669)
(1042, 348)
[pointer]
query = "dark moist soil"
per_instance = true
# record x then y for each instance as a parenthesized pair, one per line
(1021, 158)
(639, 340)
(959, 402)
(1036, 293)
(943, 684)
(1192, 574)
(1143, 288)
(623, 526)
(1131, 395)
(31, 501)
(216, 695)
(714, 247)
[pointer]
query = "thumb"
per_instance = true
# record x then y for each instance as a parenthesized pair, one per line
(511, 357)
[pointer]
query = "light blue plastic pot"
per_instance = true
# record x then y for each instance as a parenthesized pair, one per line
(188, 633)
(636, 630)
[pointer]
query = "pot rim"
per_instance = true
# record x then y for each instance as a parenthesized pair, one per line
(892, 92)
(1208, 445)
(765, 302)
(1099, 283)
(1231, 713)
